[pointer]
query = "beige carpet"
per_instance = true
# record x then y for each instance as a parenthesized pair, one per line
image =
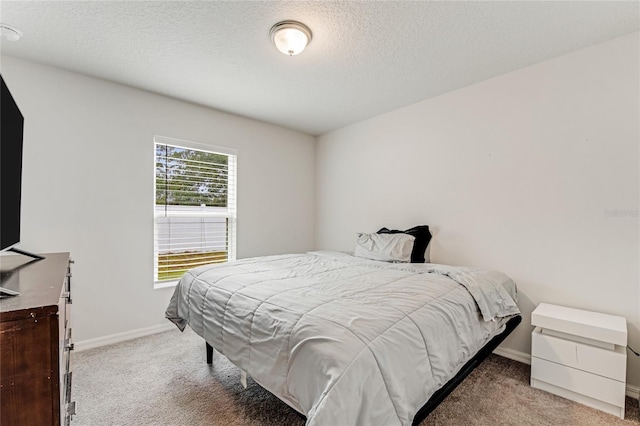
(164, 380)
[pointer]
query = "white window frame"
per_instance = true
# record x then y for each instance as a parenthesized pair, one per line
(230, 214)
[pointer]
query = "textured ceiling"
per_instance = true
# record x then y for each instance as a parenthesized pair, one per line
(365, 58)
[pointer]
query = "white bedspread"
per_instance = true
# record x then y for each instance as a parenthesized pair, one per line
(343, 340)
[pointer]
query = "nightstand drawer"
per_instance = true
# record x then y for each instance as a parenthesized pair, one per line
(603, 362)
(591, 385)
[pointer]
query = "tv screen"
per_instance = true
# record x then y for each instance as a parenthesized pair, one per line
(11, 127)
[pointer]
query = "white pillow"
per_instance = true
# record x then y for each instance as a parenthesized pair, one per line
(384, 247)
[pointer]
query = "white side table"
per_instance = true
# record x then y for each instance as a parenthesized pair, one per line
(580, 355)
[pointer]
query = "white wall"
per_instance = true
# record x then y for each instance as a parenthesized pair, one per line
(88, 144)
(517, 173)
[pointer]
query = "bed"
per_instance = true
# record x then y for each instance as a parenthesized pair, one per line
(346, 340)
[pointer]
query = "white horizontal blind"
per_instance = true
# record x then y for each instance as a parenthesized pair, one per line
(195, 207)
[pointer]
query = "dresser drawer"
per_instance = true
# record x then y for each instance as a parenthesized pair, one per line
(611, 364)
(591, 385)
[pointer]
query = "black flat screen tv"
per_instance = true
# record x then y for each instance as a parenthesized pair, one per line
(11, 129)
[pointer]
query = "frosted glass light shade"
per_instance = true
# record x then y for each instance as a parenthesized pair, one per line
(9, 33)
(290, 37)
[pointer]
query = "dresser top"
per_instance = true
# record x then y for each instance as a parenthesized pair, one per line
(39, 283)
(592, 325)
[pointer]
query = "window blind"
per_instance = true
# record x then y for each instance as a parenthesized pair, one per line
(195, 207)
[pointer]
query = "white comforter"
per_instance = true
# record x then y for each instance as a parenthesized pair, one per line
(343, 340)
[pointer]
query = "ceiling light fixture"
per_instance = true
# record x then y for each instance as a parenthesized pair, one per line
(10, 33)
(290, 37)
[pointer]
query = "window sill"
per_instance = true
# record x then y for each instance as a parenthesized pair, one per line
(157, 285)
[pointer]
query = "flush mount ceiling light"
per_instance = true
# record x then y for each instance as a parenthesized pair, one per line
(9, 33)
(290, 37)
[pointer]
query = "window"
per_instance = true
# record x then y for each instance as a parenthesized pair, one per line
(195, 207)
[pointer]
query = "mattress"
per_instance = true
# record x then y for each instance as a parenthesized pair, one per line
(345, 340)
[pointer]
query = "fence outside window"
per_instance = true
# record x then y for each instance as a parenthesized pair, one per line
(195, 207)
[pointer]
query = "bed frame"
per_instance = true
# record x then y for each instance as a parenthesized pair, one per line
(445, 390)
(482, 354)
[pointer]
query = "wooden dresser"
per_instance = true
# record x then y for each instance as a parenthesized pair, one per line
(35, 341)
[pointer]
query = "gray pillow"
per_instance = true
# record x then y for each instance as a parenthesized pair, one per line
(384, 247)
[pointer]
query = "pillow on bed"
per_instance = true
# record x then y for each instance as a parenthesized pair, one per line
(422, 238)
(384, 247)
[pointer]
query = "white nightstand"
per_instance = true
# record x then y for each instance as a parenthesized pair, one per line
(580, 355)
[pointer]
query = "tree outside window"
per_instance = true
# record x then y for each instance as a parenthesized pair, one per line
(194, 209)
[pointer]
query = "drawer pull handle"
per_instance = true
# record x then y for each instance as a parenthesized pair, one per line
(68, 345)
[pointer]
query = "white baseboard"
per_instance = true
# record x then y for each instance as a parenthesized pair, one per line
(513, 354)
(631, 390)
(83, 345)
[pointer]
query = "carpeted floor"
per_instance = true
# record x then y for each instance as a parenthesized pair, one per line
(164, 380)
